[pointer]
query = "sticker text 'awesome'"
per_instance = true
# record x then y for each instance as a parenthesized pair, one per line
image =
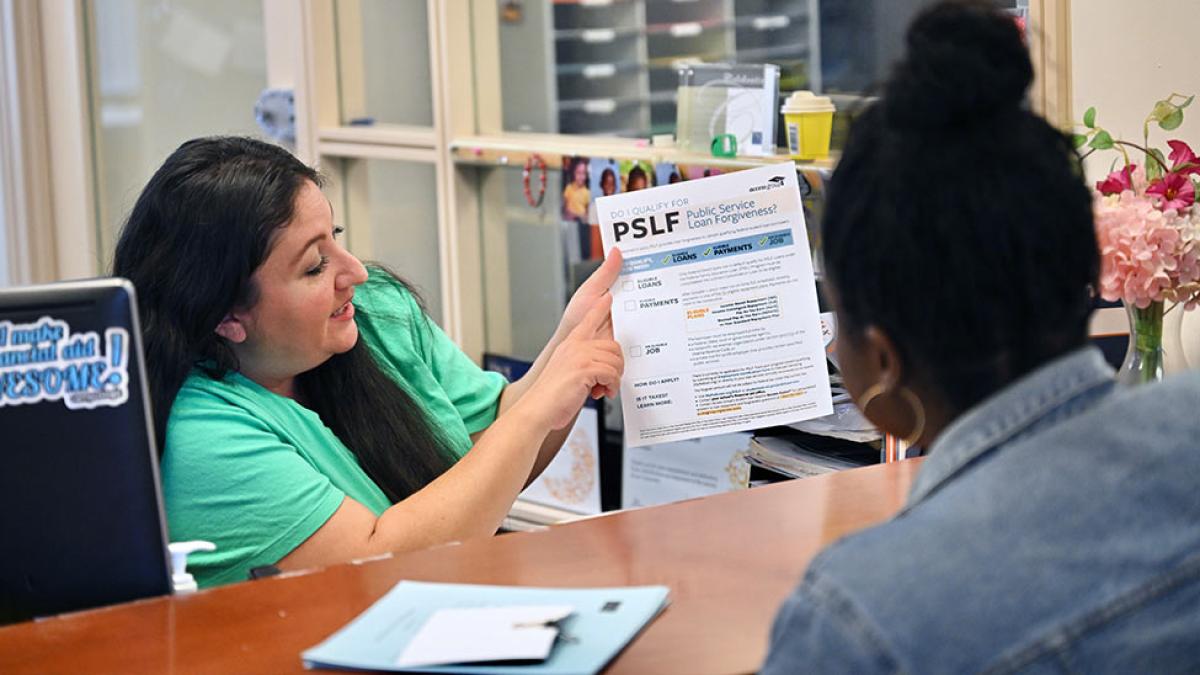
(44, 361)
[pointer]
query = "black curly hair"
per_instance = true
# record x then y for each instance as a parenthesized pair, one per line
(958, 221)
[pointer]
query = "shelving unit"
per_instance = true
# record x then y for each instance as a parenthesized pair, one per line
(526, 267)
(514, 150)
(609, 67)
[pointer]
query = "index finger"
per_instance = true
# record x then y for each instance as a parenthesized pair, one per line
(595, 318)
(606, 274)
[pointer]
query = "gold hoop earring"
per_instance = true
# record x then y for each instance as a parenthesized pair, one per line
(918, 408)
(870, 395)
(918, 413)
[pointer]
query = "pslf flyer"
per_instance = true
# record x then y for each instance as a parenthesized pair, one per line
(716, 306)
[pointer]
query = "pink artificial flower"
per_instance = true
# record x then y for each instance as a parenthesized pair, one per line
(1117, 181)
(1174, 191)
(1182, 157)
(1146, 255)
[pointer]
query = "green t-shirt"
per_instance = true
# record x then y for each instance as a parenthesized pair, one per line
(257, 473)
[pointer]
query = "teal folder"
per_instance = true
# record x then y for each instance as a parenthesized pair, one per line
(603, 622)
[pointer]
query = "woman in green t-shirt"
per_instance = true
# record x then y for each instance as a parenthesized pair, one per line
(308, 410)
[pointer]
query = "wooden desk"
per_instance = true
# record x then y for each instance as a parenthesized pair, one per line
(729, 561)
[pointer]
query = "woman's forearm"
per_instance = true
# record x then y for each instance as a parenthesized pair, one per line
(516, 390)
(470, 499)
(473, 496)
(554, 439)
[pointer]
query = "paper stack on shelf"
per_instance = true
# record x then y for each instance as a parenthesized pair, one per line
(846, 423)
(526, 516)
(782, 456)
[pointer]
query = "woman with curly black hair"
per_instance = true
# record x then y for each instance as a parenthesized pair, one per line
(1053, 526)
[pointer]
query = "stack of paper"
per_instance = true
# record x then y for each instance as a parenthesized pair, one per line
(846, 423)
(527, 516)
(782, 456)
(458, 628)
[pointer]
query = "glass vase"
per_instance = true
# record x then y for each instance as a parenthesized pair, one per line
(1144, 358)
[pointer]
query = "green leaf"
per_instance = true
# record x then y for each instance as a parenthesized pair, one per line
(1162, 109)
(1089, 118)
(1102, 141)
(1078, 140)
(1172, 121)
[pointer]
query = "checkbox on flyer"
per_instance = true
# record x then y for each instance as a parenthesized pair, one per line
(627, 286)
(635, 351)
(630, 305)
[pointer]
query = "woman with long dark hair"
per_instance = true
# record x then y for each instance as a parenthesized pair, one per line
(307, 409)
(1053, 526)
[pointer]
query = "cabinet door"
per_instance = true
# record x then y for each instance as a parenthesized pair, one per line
(160, 74)
(377, 133)
(384, 74)
(390, 212)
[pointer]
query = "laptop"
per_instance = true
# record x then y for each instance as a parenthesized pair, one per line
(81, 515)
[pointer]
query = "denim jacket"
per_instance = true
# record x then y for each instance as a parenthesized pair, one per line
(1054, 528)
